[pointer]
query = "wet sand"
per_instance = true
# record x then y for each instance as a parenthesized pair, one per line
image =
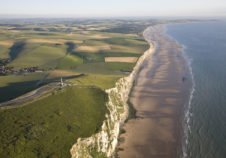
(158, 96)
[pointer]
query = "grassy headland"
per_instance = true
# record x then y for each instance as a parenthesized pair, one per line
(49, 127)
(40, 53)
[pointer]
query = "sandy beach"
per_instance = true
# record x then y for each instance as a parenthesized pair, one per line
(158, 96)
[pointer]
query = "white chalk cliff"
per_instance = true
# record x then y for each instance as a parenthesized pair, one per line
(105, 142)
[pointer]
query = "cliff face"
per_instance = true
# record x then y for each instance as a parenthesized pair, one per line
(105, 142)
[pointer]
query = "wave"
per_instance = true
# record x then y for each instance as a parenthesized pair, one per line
(188, 113)
(187, 107)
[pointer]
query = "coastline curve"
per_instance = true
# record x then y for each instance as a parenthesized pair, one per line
(105, 141)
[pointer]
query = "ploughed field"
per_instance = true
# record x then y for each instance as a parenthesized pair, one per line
(90, 55)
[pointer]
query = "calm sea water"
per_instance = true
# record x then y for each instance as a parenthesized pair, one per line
(205, 46)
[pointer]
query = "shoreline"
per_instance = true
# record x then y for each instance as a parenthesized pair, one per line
(172, 118)
(187, 107)
(104, 143)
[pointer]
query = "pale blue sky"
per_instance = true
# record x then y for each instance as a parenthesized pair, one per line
(93, 8)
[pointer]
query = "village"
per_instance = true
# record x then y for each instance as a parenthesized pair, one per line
(8, 70)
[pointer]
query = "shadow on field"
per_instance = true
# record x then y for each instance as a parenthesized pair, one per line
(71, 50)
(14, 90)
(70, 47)
(16, 49)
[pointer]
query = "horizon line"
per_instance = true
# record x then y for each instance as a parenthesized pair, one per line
(30, 16)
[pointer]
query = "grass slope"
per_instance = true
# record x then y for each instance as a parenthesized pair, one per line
(46, 56)
(76, 51)
(48, 128)
(102, 81)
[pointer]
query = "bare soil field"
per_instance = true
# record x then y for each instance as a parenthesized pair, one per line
(121, 59)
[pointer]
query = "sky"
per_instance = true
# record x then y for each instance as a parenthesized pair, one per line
(112, 8)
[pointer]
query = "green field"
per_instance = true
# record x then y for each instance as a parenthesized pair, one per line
(49, 127)
(75, 51)
(80, 48)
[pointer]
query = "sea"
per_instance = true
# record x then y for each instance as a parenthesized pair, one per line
(204, 46)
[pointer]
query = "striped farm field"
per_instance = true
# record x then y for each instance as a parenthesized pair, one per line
(121, 59)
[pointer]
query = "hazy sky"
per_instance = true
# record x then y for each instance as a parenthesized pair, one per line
(93, 8)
